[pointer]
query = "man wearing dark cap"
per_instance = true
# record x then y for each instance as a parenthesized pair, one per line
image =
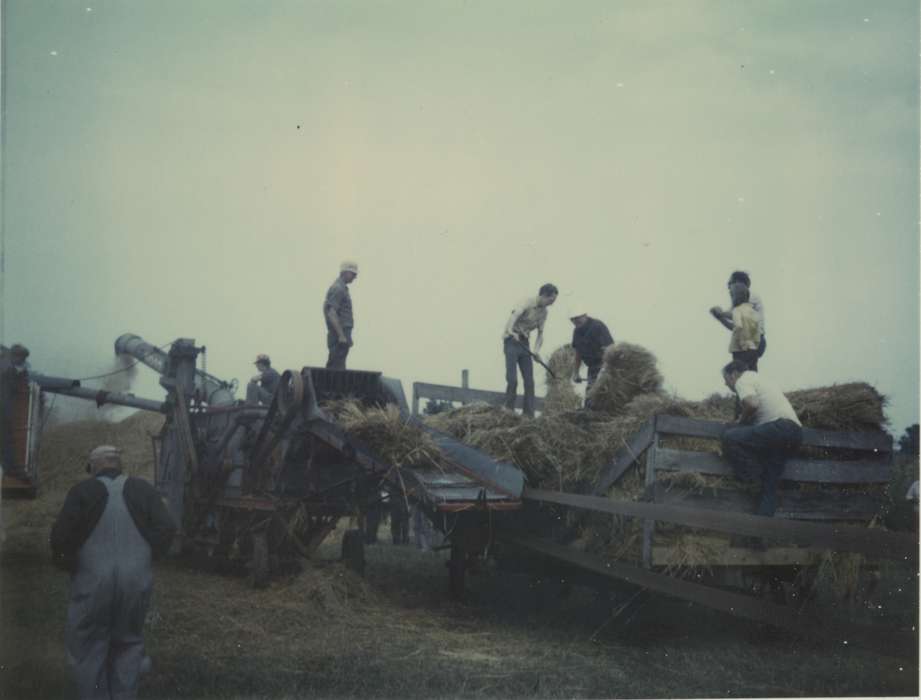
(14, 382)
(261, 387)
(107, 533)
(737, 280)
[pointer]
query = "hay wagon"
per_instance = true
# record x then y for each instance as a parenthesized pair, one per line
(689, 531)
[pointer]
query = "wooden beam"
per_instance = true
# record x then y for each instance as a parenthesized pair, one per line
(625, 456)
(442, 392)
(649, 525)
(692, 427)
(719, 554)
(881, 638)
(826, 504)
(873, 542)
(813, 470)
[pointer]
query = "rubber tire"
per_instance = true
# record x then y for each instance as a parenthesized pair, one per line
(259, 573)
(457, 573)
(353, 551)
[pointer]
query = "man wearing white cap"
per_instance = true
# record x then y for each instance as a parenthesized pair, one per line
(108, 531)
(590, 337)
(337, 311)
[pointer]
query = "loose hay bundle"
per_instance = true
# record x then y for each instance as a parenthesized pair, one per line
(854, 406)
(465, 421)
(560, 393)
(393, 439)
(629, 370)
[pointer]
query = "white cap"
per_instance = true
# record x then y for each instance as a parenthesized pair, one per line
(103, 452)
(575, 310)
(348, 266)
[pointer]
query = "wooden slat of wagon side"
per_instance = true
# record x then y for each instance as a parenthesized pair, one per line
(717, 553)
(692, 427)
(812, 470)
(442, 392)
(893, 641)
(792, 503)
(847, 538)
(626, 456)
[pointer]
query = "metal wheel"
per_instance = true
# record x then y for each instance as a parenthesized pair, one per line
(259, 573)
(290, 390)
(353, 551)
(457, 572)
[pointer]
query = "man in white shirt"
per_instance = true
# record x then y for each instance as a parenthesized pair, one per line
(527, 316)
(768, 432)
(725, 317)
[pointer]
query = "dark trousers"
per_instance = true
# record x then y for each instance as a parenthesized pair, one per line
(399, 520)
(255, 394)
(518, 355)
(372, 522)
(591, 375)
(337, 351)
(749, 357)
(759, 452)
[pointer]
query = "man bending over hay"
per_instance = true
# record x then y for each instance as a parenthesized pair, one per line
(528, 315)
(768, 432)
(589, 339)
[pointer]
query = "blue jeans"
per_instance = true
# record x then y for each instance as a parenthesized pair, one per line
(518, 355)
(760, 452)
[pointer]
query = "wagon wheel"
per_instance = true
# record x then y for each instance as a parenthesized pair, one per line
(457, 571)
(353, 551)
(290, 390)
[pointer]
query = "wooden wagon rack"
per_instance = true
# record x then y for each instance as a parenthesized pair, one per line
(803, 529)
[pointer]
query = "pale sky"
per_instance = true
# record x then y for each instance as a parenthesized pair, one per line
(199, 169)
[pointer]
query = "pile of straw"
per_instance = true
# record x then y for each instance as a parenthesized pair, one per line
(561, 396)
(464, 422)
(628, 371)
(394, 440)
(845, 407)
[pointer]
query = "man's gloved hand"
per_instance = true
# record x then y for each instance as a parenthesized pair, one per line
(256, 379)
(716, 311)
(577, 379)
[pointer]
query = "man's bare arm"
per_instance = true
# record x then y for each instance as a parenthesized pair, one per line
(749, 409)
(724, 317)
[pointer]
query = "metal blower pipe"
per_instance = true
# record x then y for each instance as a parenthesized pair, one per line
(142, 351)
(103, 397)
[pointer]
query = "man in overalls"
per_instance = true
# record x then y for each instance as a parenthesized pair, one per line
(108, 531)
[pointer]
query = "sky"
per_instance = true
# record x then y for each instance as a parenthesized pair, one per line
(199, 169)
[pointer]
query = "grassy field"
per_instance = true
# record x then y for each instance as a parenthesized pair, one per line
(327, 633)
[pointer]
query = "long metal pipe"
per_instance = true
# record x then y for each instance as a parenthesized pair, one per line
(56, 385)
(215, 391)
